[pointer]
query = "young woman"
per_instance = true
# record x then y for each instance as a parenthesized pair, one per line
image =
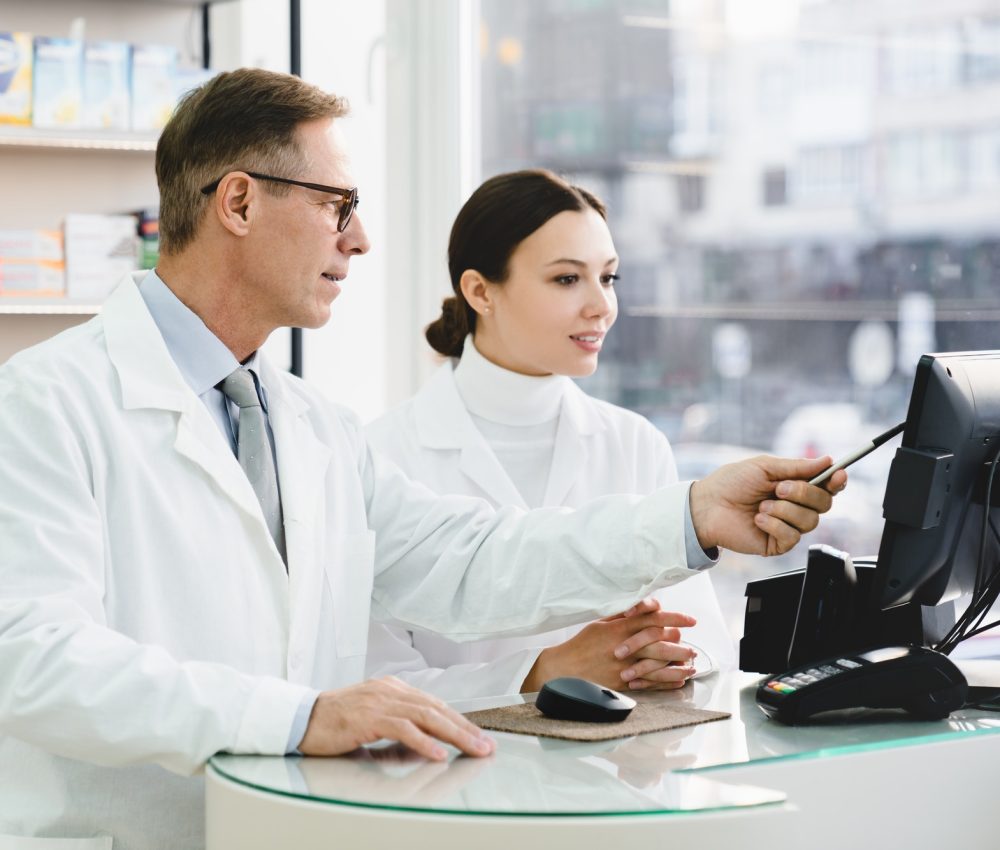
(533, 268)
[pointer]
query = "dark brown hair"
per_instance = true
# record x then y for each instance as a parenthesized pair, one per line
(498, 216)
(238, 120)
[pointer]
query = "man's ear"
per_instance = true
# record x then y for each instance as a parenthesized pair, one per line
(476, 290)
(234, 203)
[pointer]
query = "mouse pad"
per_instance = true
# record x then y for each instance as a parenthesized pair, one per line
(525, 719)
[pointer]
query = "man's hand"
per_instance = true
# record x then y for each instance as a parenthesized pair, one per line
(763, 505)
(345, 719)
(640, 647)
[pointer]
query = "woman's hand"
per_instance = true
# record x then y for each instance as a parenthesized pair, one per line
(639, 648)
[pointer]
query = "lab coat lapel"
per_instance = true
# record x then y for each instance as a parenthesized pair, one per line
(303, 461)
(572, 450)
(443, 422)
(150, 379)
(199, 440)
(481, 466)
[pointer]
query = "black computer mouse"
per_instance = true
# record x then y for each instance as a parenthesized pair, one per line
(568, 698)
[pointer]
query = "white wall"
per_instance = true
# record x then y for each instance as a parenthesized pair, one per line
(341, 52)
(433, 164)
(410, 69)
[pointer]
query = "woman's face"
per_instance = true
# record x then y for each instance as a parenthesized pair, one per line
(551, 314)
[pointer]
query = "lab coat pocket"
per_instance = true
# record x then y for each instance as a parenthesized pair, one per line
(11, 842)
(350, 578)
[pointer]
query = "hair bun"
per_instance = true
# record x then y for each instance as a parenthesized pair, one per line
(446, 334)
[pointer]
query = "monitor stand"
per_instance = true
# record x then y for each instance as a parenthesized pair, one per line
(828, 609)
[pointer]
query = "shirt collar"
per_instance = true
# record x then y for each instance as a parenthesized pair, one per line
(202, 358)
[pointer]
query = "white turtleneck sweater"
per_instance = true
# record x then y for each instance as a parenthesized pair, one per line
(477, 428)
(518, 416)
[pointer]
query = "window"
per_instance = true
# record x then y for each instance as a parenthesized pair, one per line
(824, 169)
(982, 50)
(775, 187)
(926, 162)
(924, 61)
(829, 174)
(691, 192)
(984, 159)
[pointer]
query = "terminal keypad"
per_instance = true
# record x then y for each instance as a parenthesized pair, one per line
(790, 683)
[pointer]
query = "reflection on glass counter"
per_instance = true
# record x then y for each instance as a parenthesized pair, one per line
(662, 772)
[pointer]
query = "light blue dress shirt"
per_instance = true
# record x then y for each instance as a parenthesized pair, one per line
(204, 362)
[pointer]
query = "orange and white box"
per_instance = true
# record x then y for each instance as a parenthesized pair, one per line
(31, 263)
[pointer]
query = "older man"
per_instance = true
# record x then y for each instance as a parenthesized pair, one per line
(191, 540)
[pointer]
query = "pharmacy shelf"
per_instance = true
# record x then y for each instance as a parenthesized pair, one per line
(16, 306)
(34, 138)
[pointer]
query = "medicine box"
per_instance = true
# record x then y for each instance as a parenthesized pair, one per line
(31, 263)
(31, 245)
(58, 77)
(153, 92)
(100, 250)
(15, 78)
(41, 278)
(149, 236)
(106, 89)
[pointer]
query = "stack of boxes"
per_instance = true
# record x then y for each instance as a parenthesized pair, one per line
(31, 262)
(93, 85)
(84, 261)
(65, 83)
(100, 249)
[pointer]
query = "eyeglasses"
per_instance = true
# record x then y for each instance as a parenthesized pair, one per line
(347, 208)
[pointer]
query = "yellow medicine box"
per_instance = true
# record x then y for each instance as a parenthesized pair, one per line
(15, 78)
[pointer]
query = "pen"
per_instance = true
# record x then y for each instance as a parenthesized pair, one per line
(857, 454)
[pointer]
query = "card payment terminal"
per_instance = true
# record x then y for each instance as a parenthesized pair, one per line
(925, 683)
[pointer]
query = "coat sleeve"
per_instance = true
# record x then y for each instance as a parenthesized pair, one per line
(453, 565)
(666, 464)
(392, 653)
(72, 685)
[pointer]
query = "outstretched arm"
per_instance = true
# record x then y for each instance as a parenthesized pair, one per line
(763, 505)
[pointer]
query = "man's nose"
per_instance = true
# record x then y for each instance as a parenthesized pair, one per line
(354, 240)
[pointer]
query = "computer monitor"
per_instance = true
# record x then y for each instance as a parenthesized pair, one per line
(935, 544)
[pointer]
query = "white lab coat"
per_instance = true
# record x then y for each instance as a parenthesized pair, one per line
(600, 449)
(146, 618)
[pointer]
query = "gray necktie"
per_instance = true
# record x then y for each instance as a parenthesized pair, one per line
(254, 452)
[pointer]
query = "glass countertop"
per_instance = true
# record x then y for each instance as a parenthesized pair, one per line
(659, 773)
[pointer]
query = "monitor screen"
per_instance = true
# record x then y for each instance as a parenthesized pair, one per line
(935, 494)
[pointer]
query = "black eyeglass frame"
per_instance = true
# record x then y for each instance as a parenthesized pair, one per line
(350, 196)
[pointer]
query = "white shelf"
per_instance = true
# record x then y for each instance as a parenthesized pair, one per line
(34, 138)
(13, 305)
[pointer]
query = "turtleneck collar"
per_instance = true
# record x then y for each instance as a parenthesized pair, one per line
(508, 398)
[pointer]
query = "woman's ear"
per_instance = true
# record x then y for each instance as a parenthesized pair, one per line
(476, 290)
(234, 202)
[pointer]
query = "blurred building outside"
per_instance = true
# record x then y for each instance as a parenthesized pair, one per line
(805, 197)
